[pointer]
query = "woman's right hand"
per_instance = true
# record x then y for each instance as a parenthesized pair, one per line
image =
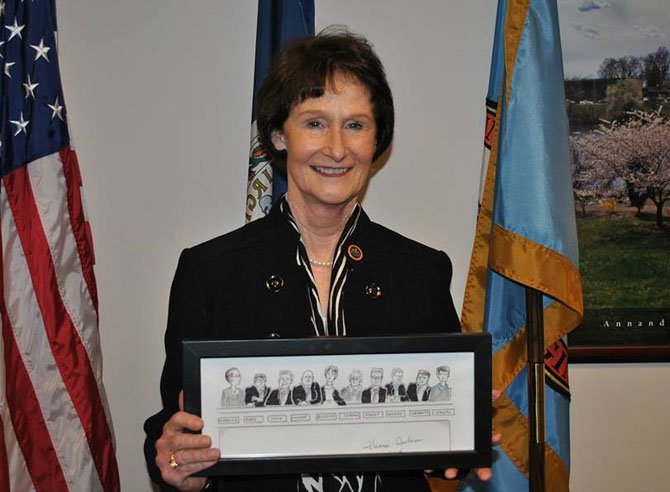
(191, 452)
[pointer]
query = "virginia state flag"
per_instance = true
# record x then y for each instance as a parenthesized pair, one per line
(526, 236)
(279, 21)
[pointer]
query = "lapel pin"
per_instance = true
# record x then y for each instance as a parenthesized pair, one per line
(373, 291)
(274, 283)
(354, 252)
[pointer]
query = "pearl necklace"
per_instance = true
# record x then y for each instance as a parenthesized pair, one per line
(320, 263)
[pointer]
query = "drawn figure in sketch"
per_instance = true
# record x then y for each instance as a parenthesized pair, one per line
(375, 393)
(395, 390)
(352, 392)
(441, 391)
(419, 391)
(284, 394)
(256, 395)
(329, 395)
(308, 392)
(233, 396)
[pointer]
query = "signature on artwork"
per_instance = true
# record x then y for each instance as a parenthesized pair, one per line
(398, 444)
(372, 444)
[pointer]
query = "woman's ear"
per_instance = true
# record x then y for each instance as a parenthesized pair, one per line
(278, 140)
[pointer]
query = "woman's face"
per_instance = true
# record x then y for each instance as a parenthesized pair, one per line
(330, 142)
(284, 380)
(235, 377)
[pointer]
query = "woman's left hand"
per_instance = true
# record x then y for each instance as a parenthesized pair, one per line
(484, 474)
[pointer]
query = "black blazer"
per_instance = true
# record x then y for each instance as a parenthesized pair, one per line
(402, 392)
(300, 395)
(252, 391)
(221, 290)
(273, 398)
(366, 396)
(411, 393)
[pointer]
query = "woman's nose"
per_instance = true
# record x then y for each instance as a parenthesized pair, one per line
(336, 147)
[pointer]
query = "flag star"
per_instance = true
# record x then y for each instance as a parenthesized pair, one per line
(41, 50)
(1, 43)
(30, 87)
(2, 8)
(9, 65)
(57, 110)
(20, 125)
(15, 30)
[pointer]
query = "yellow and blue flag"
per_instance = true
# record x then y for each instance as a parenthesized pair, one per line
(526, 237)
(279, 22)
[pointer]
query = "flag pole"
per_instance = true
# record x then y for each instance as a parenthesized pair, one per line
(535, 347)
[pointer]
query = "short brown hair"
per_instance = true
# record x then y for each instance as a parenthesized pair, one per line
(303, 69)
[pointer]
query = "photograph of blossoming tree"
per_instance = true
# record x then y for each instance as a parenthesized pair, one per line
(617, 83)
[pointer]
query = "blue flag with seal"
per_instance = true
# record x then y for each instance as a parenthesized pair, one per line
(526, 237)
(279, 22)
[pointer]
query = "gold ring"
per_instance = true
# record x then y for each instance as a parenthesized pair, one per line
(173, 462)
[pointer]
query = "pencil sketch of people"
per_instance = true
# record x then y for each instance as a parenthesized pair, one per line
(329, 395)
(395, 390)
(284, 394)
(256, 395)
(419, 391)
(352, 392)
(441, 391)
(308, 392)
(233, 396)
(375, 393)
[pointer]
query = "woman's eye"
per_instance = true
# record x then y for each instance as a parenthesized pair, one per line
(355, 125)
(313, 124)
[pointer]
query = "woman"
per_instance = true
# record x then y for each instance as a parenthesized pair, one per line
(352, 392)
(329, 395)
(233, 396)
(325, 114)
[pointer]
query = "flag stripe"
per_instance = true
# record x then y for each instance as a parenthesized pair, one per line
(47, 177)
(474, 299)
(4, 466)
(56, 185)
(80, 226)
(537, 266)
(11, 457)
(26, 415)
(69, 352)
(515, 444)
(19, 479)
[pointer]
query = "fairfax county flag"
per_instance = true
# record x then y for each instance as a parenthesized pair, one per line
(279, 21)
(526, 237)
(56, 433)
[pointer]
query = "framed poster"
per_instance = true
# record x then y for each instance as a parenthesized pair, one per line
(342, 404)
(617, 85)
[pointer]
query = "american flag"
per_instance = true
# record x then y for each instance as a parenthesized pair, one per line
(56, 429)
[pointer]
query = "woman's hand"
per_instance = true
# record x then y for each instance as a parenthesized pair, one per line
(179, 455)
(484, 474)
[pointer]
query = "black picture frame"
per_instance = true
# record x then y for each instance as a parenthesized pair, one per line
(397, 349)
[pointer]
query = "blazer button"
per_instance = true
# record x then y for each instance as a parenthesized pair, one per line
(273, 335)
(373, 291)
(274, 283)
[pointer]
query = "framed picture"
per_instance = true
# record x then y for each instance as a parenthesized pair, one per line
(617, 88)
(342, 404)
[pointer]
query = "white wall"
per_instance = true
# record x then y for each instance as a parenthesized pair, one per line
(159, 95)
